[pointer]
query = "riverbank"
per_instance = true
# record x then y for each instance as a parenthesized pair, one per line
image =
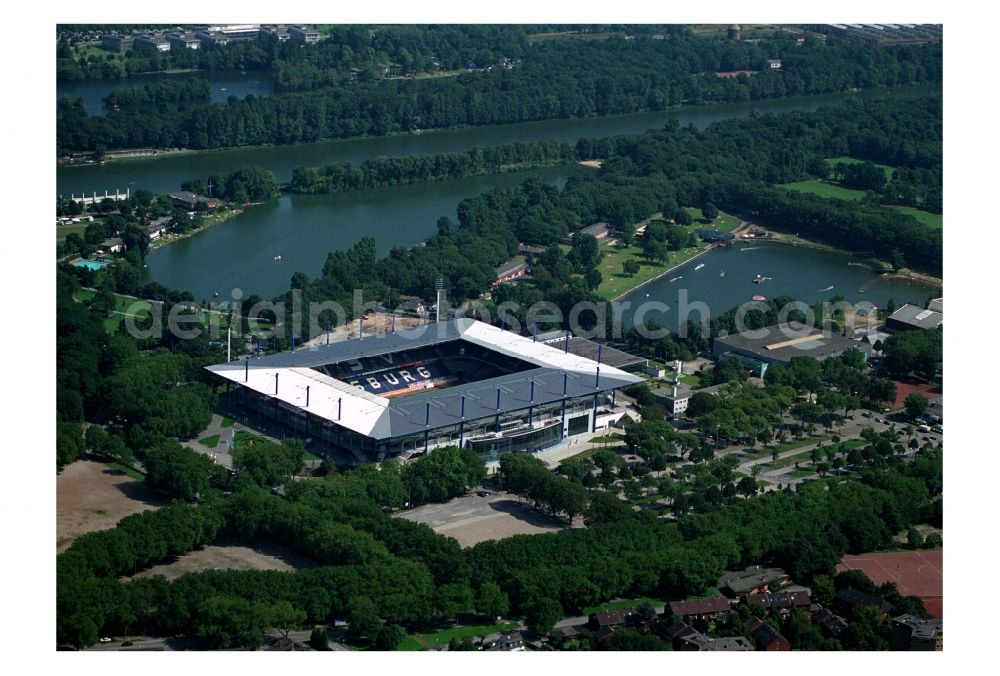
(207, 222)
(118, 155)
(886, 273)
(681, 261)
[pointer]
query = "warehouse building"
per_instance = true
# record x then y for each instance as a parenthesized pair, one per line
(777, 344)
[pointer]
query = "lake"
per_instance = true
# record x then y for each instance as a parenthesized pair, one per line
(805, 274)
(223, 83)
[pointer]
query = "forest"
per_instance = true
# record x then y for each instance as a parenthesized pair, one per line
(552, 80)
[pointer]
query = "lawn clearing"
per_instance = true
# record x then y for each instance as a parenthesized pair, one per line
(211, 441)
(935, 221)
(623, 603)
(786, 446)
(723, 222)
(63, 230)
(822, 188)
(84, 295)
(615, 282)
(227, 422)
(436, 639)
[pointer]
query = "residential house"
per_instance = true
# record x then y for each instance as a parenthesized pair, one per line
(608, 618)
(112, 245)
(847, 600)
(783, 602)
(767, 637)
(706, 609)
(912, 633)
(830, 624)
(509, 641)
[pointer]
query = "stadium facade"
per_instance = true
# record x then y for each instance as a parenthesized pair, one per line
(460, 382)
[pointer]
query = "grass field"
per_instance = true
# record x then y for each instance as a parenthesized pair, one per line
(62, 231)
(723, 222)
(227, 422)
(786, 446)
(211, 441)
(436, 639)
(126, 306)
(935, 221)
(822, 188)
(623, 603)
(615, 282)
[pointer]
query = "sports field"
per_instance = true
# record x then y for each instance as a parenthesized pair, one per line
(916, 573)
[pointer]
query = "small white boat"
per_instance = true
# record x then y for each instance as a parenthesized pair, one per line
(699, 266)
(829, 288)
(676, 278)
(278, 257)
(722, 273)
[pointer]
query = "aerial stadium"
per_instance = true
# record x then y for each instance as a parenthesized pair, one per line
(460, 382)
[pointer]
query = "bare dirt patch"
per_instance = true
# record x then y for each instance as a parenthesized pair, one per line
(472, 519)
(230, 556)
(90, 496)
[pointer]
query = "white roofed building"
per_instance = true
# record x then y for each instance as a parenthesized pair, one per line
(460, 382)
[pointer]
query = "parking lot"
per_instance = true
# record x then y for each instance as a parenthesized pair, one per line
(475, 518)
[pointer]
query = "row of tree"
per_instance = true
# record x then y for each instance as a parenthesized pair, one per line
(556, 80)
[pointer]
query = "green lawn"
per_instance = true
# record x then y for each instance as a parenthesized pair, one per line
(691, 380)
(786, 446)
(62, 231)
(227, 422)
(723, 222)
(211, 441)
(84, 295)
(442, 637)
(824, 189)
(801, 473)
(792, 459)
(131, 472)
(935, 221)
(306, 455)
(615, 282)
(608, 438)
(622, 603)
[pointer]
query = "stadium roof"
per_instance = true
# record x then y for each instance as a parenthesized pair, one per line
(285, 377)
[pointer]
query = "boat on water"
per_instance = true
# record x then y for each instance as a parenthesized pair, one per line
(758, 297)
(722, 273)
(699, 266)
(676, 278)
(749, 248)
(829, 288)
(278, 257)
(760, 278)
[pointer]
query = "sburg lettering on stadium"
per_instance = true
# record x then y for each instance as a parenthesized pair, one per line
(391, 379)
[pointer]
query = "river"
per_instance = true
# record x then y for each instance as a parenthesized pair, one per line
(805, 274)
(302, 229)
(223, 83)
(163, 174)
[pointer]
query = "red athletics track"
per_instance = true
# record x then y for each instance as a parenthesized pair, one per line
(917, 573)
